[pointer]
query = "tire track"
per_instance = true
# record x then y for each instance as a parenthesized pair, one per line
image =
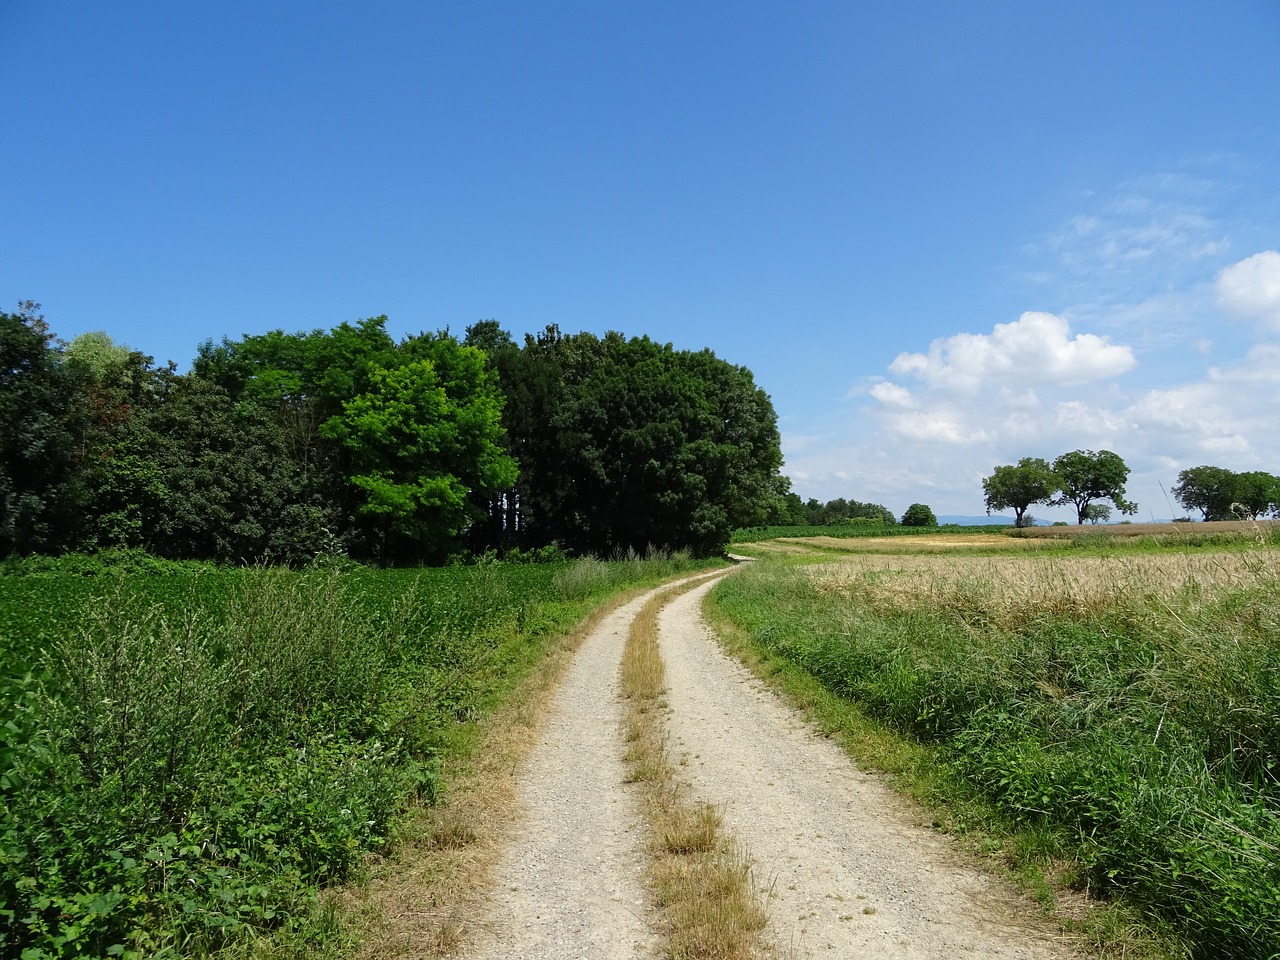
(570, 882)
(848, 873)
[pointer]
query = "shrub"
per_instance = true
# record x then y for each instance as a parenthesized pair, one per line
(919, 515)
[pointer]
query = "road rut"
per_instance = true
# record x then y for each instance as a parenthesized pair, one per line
(844, 870)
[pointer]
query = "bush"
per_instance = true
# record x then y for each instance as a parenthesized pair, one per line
(919, 515)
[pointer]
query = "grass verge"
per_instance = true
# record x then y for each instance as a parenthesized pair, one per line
(701, 880)
(1054, 736)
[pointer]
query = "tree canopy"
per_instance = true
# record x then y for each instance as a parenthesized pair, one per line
(919, 515)
(1085, 476)
(1017, 487)
(278, 446)
(626, 443)
(1221, 494)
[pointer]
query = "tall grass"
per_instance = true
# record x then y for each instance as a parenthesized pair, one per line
(186, 759)
(1130, 710)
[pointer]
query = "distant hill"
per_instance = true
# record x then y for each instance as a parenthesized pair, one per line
(980, 521)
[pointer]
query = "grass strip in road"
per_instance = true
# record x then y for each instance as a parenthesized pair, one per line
(701, 879)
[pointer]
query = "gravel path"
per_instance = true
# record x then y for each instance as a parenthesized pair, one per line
(848, 874)
(570, 884)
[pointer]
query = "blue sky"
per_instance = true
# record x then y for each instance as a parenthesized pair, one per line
(942, 236)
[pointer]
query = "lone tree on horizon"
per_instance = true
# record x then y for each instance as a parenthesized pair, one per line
(1085, 476)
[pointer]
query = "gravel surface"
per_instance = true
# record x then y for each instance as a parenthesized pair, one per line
(847, 871)
(570, 883)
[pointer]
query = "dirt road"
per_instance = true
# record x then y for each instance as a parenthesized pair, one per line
(844, 870)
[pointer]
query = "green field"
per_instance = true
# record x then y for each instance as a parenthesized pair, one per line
(1108, 711)
(190, 753)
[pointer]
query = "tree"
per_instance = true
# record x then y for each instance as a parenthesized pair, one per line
(37, 414)
(1085, 476)
(1256, 492)
(919, 515)
(1016, 488)
(424, 436)
(1097, 513)
(623, 444)
(1207, 489)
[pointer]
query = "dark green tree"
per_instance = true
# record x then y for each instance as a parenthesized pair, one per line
(1207, 489)
(212, 479)
(623, 444)
(1017, 487)
(1085, 476)
(37, 435)
(919, 515)
(1255, 493)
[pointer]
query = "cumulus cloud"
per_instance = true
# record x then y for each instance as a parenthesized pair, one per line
(1251, 288)
(1036, 348)
(892, 395)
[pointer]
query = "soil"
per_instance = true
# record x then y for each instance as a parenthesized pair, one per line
(841, 861)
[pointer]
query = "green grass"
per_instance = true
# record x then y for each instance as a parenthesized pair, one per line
(188, 755)
(1129, 736)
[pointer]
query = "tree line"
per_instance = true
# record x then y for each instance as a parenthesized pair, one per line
(283, 446)
(1084, 479)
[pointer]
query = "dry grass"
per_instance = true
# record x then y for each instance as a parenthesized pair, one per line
(425, 900)
(924, 543)
(1009, 589)
(1164, 530)
(701, 881)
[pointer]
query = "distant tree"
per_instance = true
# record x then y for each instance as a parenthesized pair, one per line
(1085, 476)
(919, 515)
(871, 511)
(1256, 492)
(1016, 488)
(1207, 489)
(1097, 513)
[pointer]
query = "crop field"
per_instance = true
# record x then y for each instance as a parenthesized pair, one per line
(189, 754)
(1117, 709)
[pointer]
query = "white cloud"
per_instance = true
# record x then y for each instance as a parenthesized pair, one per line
(1251, 288)
(1147, 269)
(937, 426)
(1036, 348)
(892, 395)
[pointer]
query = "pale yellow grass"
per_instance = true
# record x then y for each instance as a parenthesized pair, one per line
(1009, 587)
(925, 543)
(701, 881)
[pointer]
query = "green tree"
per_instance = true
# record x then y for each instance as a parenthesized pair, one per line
(423, 438)
(919, 515)
(1097, 513)
(1085, 476)
(211, 478)
(37, 431)
(623, 444)
(1256, 492)
(1207, 489)
(1017, 487)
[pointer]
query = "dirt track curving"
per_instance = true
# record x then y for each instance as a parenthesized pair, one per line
(842, 865)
